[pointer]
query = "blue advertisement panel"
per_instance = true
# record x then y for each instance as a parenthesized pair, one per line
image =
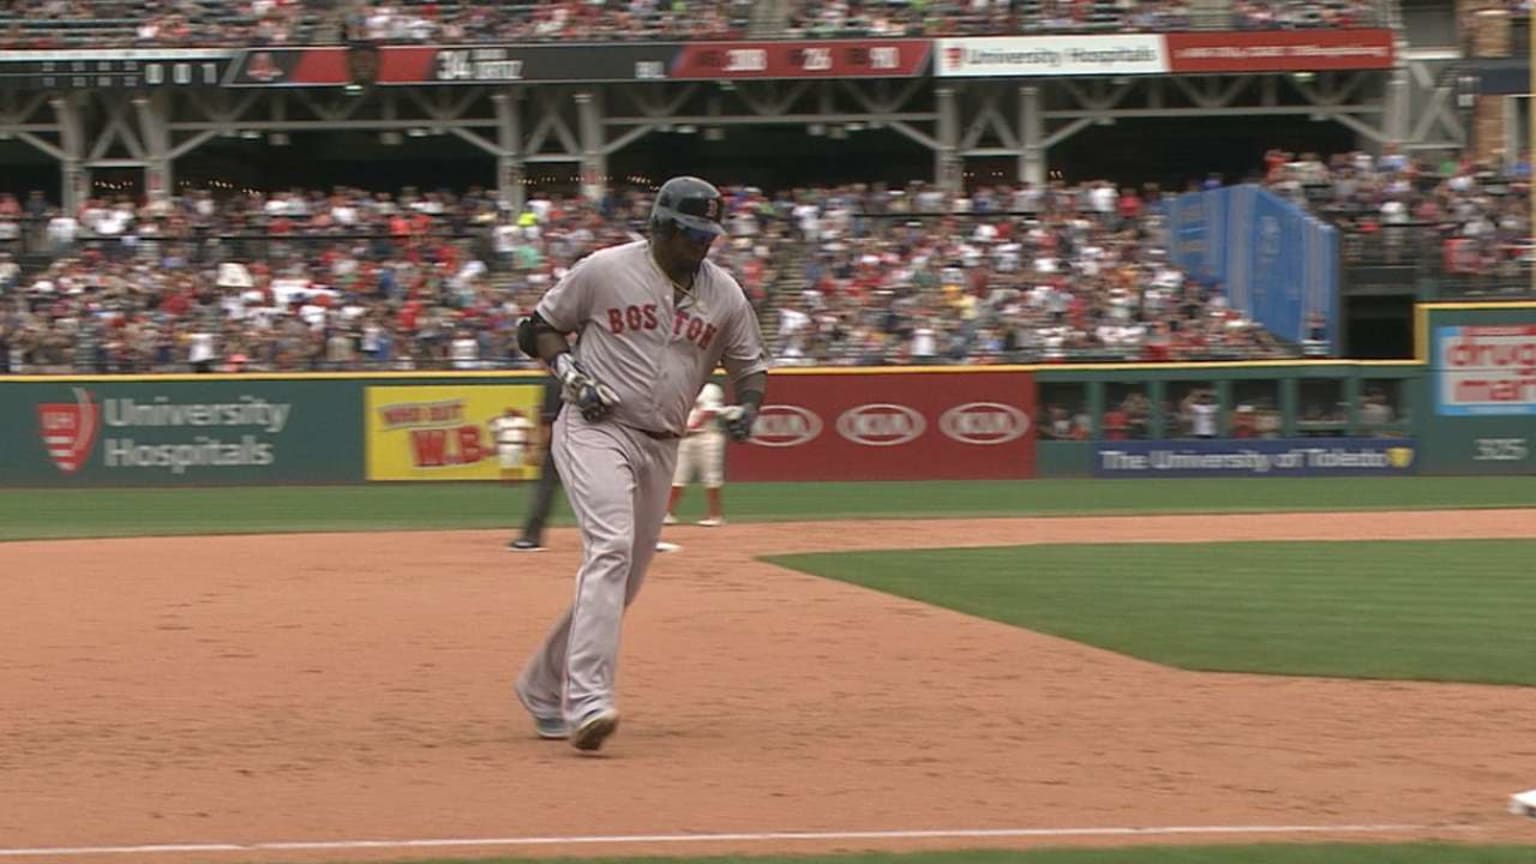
(1265, 457)
(1276, 264)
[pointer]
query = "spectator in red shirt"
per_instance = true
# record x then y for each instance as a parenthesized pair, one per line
(1116, 424)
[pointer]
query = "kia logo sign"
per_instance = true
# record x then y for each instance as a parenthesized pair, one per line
(984, 423)
(785, 426)
(881, 425)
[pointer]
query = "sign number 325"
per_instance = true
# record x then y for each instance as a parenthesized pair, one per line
(1500, 450)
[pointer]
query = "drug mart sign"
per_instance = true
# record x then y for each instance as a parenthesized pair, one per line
(1485, 371)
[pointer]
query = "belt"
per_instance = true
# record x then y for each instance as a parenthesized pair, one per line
(649, 433)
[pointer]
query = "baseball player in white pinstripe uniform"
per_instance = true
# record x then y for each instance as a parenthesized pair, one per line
(701, 456)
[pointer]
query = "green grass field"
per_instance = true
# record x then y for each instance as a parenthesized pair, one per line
(51, 513)
(1447, 611)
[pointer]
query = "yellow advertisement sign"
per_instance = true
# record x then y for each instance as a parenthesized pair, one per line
(445, 432)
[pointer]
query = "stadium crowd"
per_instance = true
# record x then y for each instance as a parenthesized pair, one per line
(853, 274)
(840, 275)
(240, 23)
(843, 18)
(1042, 273)
(208, 23)
(305, 279)
(1392, 207)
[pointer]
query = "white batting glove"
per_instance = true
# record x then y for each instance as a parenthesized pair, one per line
(595, 400)
(738, 420)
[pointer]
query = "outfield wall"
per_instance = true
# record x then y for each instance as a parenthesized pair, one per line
(217, 430)
(205, 430)
(1466, 405)
(1479, 386)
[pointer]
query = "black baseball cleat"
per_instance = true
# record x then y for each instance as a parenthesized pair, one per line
(523, 544)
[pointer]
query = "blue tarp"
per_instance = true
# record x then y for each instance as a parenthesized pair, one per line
(1276, 263)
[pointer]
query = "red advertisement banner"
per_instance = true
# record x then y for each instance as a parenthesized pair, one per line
(892, 426)
(1279, 51)
(817, 58)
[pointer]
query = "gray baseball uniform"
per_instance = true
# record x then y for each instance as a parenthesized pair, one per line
(656, 355)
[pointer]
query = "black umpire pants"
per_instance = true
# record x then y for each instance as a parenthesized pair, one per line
(543, 498)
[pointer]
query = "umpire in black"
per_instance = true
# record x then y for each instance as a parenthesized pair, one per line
(532, 538)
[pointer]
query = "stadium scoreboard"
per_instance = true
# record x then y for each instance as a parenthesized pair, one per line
(107, 69)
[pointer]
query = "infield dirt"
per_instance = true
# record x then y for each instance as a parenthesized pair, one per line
(328, 687)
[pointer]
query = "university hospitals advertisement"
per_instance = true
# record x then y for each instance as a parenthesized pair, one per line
(1485, 371)
(443, 432)
(1195, 53)
(1048, 56)
(175, 433)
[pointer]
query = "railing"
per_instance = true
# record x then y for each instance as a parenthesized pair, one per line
(34, 246)
(1450, 265)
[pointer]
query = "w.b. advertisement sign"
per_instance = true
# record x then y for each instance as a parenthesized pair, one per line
(1265, 457)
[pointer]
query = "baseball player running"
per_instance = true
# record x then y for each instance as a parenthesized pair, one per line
(653, 319)
(702, 455)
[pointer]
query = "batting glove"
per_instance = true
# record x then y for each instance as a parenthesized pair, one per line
(595, 400)
(738, 421)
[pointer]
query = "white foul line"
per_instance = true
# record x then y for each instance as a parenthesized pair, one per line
(755, 837)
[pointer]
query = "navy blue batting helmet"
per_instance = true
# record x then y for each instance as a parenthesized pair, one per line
(691, 203)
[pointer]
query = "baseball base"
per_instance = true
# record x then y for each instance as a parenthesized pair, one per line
(1523, 804)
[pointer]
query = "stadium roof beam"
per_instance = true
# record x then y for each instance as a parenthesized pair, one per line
(520, 124)
(1025, 118)
(907, 106)
(779, 119)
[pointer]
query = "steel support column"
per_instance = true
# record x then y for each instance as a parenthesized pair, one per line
(76, 178)
(946, 157)
(594, 159)
(1513, 134)
(1396, 106)
(1031, 137)
(154, 128)
(509, 137)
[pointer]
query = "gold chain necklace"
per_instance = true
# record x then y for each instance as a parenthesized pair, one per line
(676, 285)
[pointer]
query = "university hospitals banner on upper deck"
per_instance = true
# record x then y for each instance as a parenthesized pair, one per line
(1033, 56)
(1197, 53)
